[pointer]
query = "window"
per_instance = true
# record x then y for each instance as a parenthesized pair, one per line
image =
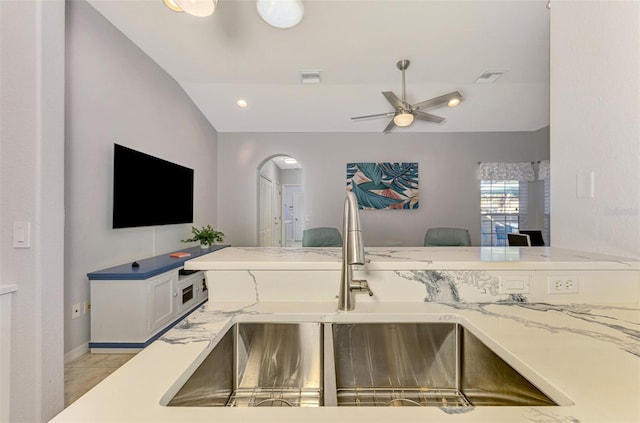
(503, 209)
(547, 212)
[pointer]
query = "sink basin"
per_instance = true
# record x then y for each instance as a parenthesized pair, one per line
(423, 364)
(259, 364)
(311, 364)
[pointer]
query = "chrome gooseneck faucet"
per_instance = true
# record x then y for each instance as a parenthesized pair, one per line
(352, 254)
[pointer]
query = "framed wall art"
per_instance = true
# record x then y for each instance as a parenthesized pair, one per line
(384, 186)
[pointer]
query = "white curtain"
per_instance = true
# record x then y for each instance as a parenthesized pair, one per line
(544, 170)
(507, 172)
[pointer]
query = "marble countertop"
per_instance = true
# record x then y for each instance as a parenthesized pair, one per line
(412, 258)
(589, 354)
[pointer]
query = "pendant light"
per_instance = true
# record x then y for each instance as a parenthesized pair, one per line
(281, 13)
(171, 4)
(200, 8)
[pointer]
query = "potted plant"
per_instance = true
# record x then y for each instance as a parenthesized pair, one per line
(206, 236)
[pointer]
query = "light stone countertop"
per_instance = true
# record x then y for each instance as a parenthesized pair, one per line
(412, 258)
(584, 355)
(588, 354)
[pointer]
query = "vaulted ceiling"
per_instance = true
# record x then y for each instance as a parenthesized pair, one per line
(355, 44)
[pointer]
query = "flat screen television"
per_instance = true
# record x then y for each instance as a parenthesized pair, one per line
(149, 191)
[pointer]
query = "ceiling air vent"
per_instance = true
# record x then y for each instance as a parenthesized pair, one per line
(490, 77)
(310, 77)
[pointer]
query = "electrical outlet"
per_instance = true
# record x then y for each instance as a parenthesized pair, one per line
(87, 308)
(562, 284)
(75, 311)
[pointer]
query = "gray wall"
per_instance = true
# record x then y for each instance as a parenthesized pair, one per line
(115, 93)
(31, 189)
(595, 115)
(449, 188)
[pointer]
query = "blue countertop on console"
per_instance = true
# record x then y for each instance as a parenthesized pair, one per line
(150, 267)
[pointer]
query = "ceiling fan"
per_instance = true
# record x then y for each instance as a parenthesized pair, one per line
(405, 113)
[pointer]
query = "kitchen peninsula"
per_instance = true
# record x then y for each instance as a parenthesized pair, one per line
(582, 348)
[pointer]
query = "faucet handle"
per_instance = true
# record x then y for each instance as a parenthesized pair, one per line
(361, 286)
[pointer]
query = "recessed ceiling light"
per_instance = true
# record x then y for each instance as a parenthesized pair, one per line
(242, 103)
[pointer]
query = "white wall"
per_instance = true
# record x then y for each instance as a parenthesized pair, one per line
(115, 93)
(449, 188)
(31, 189)
(595, 125)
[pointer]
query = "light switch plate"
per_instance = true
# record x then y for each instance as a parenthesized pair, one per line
(21, 234)
(585, 185)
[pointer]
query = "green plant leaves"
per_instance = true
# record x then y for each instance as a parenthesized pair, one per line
(368, 199)
(384, 185)
(206, 235)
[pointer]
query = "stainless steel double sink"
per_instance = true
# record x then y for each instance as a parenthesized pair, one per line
(311, 364)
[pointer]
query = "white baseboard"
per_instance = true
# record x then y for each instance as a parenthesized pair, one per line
(76, 352)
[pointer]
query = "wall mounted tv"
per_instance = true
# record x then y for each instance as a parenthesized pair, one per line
(149, 191)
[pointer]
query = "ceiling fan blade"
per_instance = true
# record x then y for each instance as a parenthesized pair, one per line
(373, 116)
(428, 117)
(389, 127)
(437, 101)
(394, 100)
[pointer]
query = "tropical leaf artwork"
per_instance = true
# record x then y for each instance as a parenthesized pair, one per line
(385, 185)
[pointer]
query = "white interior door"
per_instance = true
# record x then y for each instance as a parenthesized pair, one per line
(298, 215)
(265, 211)
(277, 215)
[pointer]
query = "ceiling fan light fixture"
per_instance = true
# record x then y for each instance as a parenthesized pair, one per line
(199, 8)
(403, 119)
(453, 102)
(281, 13)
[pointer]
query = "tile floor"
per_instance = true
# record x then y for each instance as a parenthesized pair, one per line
(87, 371)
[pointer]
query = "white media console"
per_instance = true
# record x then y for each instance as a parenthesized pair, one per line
(131, 306)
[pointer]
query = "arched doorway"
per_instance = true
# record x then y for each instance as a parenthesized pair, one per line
(280, 202)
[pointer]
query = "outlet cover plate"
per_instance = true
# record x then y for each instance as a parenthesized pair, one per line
(513, 284)
(562, 284)
(75, 311)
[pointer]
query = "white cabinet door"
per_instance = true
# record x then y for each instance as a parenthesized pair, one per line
(162, 294)
(134, 311)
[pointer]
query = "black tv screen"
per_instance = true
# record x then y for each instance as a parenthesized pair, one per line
(149, 191)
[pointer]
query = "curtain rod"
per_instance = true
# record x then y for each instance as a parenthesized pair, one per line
(531, 162)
